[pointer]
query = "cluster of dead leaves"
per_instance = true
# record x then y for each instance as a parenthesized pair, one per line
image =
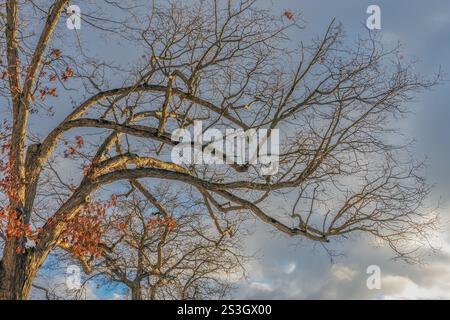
(83, 234)
(64, 75)
(72, 149)
(10, 221)
(157, 222)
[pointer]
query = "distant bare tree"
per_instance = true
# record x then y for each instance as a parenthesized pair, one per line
(229, 64)
(168, 251)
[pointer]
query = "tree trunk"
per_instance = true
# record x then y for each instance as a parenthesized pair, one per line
(136, 292)
(18, 270)
(152, 293)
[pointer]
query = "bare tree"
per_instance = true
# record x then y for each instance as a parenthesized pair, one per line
(231, 65)
(168, 250)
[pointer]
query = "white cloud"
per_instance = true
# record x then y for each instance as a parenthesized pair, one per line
(398, 287)
(343, 273)
(261, 286)
(290, 267)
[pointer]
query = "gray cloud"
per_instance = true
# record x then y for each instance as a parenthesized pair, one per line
(295, 269)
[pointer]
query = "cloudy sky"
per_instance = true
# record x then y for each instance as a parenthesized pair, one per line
(287, 268)
(293, 269)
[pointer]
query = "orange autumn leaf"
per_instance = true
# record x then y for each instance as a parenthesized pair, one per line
(56, 53)
(68, 73)
(79, 141)
(84, 232)
(289, 15)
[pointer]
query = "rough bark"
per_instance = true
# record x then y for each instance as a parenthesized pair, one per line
(17, 273)
(136, 291)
